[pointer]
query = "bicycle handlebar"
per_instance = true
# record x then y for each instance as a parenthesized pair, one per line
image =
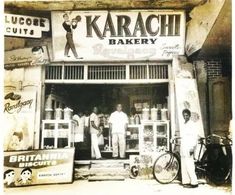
(173, 140)
(222, 139)
(207, 139)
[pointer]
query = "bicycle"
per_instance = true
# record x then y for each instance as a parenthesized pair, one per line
(215, 163)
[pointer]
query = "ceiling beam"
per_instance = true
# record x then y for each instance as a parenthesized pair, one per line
(52, 5)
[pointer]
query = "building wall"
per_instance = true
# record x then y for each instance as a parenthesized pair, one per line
(214, 92)
(214, 69)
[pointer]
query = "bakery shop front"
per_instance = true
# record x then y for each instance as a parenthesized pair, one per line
(105, 58)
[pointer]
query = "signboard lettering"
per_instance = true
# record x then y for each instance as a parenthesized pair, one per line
(27, 57)
(25, 26)
(145, 28)
(42, 167)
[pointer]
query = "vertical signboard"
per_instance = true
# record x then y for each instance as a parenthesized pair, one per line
(187, 98)
(19, 119)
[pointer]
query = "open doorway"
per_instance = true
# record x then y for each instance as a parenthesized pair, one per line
(81, 98)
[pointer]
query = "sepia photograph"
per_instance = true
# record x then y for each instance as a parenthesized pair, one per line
(117, 97)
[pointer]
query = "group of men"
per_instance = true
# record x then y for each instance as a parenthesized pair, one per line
(118, 122)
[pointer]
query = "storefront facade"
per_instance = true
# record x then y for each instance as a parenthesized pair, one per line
(132, 57)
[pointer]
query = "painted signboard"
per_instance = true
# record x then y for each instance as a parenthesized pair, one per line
(27, 57)
(23, 168)
(19, 120)
(25, 26)
(187, 98)
(118, 35)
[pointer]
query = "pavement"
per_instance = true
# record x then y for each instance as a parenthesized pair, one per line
(129, 186)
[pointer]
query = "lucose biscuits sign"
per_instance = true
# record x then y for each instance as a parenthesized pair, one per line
(27, 57)
(25, 26)
(118, 35)
(38, 167)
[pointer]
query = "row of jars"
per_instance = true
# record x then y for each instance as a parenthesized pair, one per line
(58, 114)
(155, 114)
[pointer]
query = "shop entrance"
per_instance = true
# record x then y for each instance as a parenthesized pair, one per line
(81, 98)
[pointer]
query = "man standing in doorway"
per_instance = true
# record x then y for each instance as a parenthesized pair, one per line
(189, 137)
(118, 125)
(69, 26)
(95, 133)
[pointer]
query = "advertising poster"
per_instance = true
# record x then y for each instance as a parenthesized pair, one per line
(19, 118)
(25, 26)
(187, 98)
(23, 168)
(27, 57)
(117, 35)
(142, 165)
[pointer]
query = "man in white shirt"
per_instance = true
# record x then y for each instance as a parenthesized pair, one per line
(95, 133)
(118, 125)
(189, 137)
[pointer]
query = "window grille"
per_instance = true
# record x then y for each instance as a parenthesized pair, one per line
(73, 72)
(106, 72)
(138, 72)
(158, 71)
(53, 72)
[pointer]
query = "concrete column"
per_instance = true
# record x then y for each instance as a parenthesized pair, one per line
(201, 76)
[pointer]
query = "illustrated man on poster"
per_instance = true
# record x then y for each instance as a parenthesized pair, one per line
(38, 56)
(69, 26)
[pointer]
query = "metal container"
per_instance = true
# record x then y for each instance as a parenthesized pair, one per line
(68, 113)
(48, 113)
(164, 113)
(58, 113)
(145, 114)
(131, 120)
(154, 114)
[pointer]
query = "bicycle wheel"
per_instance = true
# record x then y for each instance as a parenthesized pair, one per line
(166, 168)
(218, 166)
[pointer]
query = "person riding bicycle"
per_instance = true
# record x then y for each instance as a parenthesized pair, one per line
(189, 137)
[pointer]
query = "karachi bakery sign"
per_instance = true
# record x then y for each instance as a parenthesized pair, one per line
(117, 35)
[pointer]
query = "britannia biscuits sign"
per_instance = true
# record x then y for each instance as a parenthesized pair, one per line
(24, 168)
(118, 35)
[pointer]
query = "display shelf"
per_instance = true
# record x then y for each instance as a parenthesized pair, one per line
(57, 133)
(132, 138)
(154, 136)
(149, 137)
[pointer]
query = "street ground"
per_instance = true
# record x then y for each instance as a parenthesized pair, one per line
(129, 186)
